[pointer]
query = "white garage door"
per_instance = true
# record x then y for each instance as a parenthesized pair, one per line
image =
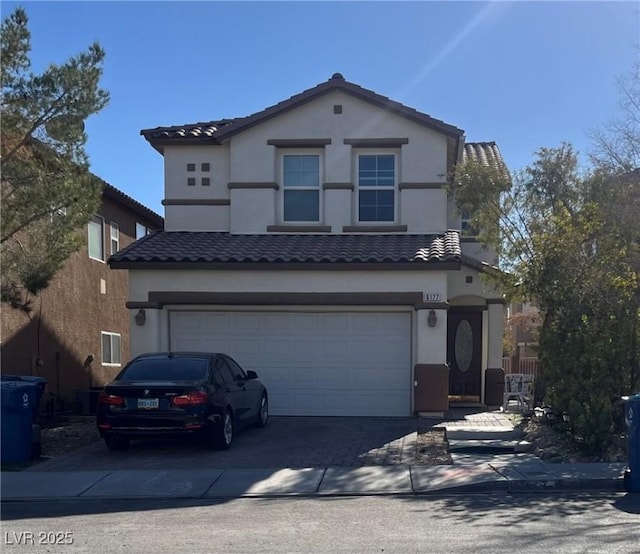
(312, 363)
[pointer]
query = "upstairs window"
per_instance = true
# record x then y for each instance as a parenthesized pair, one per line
(466, 228)
(95, 238)
(301, 183)
(115, 237)
(376, 188)
(141, 230)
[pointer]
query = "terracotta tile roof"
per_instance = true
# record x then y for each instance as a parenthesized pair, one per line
(204, 130)
(485, 153)
(184, 248)
(217, 131)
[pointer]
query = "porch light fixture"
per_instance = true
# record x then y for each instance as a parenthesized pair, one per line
(140, 317)
(432, 318)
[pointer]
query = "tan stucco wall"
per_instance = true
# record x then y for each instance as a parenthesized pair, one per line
(176, 159)
(247, 158)
(141, 282)
(429, 344)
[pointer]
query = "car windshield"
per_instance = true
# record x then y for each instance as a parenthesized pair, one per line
(166, 369)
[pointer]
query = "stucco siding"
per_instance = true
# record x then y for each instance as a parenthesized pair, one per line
(197, 218)
(422, 210)
(141, 282)
(176, 174)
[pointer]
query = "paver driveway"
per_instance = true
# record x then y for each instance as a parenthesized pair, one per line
(293, 442)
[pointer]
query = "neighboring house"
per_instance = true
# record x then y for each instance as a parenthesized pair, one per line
(523, 322)
(315, 242)
(77, 335)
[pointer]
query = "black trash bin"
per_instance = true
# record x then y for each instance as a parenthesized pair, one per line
(17, 421)
(632, 419)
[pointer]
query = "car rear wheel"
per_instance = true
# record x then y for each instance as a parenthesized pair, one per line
(263, 412)
(116, 443)
(220, 436)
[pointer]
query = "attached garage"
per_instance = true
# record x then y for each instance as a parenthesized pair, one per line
(313, 363)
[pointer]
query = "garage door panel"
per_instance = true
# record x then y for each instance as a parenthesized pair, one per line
(335, 322)
(306, 323)
(276, 348)
(246, 322)
(312, 363)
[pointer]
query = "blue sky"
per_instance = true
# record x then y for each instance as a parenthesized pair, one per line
(525, 74)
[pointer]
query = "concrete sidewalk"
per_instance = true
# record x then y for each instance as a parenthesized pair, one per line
(511, 476)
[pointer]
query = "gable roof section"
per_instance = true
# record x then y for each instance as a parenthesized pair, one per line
(109, 191)
(194, 250)
(217, 132)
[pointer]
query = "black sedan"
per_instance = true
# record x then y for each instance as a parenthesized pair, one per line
(181, 394)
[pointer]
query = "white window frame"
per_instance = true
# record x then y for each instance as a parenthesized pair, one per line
(301, 152)
(102, 248)
(110, 363)
(395, 189)
(114, 237)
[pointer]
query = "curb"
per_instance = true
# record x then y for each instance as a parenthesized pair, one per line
(502, 486)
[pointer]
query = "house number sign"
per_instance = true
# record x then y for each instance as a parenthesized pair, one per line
(431, 297)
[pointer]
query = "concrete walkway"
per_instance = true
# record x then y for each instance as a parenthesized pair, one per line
(483, 449)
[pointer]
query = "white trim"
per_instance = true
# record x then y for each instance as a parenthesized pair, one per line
(111, 335)
(114, 228)
(103, 250)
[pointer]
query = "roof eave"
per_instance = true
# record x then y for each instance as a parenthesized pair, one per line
(279, 266)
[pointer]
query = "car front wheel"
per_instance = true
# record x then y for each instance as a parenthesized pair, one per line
(263, 413)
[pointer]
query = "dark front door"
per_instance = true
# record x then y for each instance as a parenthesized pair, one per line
(464, 354)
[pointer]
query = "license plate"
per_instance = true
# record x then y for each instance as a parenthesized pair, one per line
(148, 403)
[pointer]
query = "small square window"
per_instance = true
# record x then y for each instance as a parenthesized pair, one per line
(337, 108)
(205, 181)
(191, 167)
(191, 181)
(206, 167)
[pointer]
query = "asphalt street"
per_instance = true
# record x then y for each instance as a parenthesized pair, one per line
(558, 523)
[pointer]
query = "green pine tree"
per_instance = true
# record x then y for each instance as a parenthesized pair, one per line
(47, 191)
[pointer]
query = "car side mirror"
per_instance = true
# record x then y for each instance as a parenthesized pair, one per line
(251, 374)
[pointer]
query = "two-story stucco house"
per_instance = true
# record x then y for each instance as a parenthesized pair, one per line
(315, 242)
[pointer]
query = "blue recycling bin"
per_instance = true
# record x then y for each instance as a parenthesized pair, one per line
(17, 421)
(36, 393)
(632, 419)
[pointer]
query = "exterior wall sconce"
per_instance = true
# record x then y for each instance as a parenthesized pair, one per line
(432, 318)
(140, 317)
